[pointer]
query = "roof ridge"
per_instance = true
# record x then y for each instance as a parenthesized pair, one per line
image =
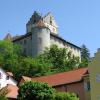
(62, 73)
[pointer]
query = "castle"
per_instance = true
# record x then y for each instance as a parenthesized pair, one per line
(42, 32)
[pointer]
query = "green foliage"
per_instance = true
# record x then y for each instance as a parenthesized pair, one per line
(60, 58)
(85, 56)
(65, 96)
(42, 91)
(3, 93)
(53, 60)
(12, 59)
(37, 91)
(31, 67)
(9, 54)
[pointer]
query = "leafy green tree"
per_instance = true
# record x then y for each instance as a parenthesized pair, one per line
(60, 58)
(9, 54)
(35, 91)
(53, 60)
(65, 96)
(31, 67)
(85, 56)
(12, 59)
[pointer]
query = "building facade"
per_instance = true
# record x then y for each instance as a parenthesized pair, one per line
(6, 79)
(94, 68)
(75, 81)
(42, 32)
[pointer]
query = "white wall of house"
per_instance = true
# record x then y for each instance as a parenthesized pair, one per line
(5, 79)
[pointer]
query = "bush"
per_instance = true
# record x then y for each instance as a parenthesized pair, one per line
(35, 91)
(65, 96)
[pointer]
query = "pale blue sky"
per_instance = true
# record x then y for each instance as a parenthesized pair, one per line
(78, 20)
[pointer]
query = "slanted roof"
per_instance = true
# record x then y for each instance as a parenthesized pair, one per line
(61, 78)
(55, 36)
(60, 38)
(8, 37)
(25, 78)
(12, 91)
(10, 74)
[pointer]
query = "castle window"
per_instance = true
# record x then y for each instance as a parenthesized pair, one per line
(64, 43)
(24, 52)
(34, 21)
(25, 41)
(39, 40)
(51, 20)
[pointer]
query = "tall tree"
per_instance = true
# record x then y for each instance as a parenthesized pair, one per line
(60, 58)
(85, 56)
(9, 54)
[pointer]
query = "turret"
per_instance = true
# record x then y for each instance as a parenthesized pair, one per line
(40, 38)
(8, 37)
(48, 20)
(33, 20)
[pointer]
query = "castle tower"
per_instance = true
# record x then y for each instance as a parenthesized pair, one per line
(41, 27)
(33, 20)
(40, 38)
(48, 20)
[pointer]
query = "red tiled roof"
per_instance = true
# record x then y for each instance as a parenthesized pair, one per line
(12, 91)
(63, 78)
(25, 78)
(10, 73)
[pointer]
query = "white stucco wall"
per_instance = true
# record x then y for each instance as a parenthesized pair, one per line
(4, 81)
(75, 51)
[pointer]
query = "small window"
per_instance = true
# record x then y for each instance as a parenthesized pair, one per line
(87, 86)
(7, 77)
(51, 20)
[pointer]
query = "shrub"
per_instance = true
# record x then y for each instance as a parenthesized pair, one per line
(65, 96)
(36, 91)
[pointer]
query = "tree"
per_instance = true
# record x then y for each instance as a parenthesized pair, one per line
(60, 58)
(85, 56)
(53, 60)
(12, 59)
(35, 91)
(9, 54)
(29, 66)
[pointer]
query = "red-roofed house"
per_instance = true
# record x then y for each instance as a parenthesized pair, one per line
(72, 81)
